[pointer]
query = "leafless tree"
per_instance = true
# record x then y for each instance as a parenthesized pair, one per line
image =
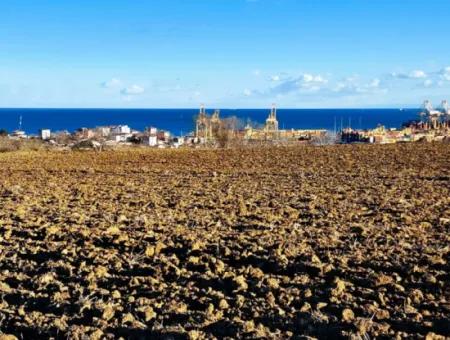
(226, 131)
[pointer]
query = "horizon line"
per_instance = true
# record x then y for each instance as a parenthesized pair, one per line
(407, 107)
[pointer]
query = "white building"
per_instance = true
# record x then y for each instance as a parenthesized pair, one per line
(18, 134)
(151, 140)
(45, 134)
(121, 129)
(120, 138)
(152, 130)
(151, 137)
(120, 133)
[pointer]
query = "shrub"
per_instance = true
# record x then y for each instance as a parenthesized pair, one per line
(9, 145)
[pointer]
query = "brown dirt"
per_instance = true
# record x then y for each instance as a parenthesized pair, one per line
(330, 242)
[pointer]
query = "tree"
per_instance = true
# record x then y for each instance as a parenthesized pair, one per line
(226, 130)
(3, 133)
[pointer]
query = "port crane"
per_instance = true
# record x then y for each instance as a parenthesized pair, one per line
(429, 115)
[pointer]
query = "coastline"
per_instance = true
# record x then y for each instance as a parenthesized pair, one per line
(179, 121)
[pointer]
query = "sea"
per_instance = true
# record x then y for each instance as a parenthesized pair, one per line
(181, 121)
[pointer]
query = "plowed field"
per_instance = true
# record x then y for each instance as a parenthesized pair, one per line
(327, 242)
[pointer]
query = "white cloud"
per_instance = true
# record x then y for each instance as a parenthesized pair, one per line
(275, 78)
(307, 79)
(305, 83)
(351, 87)
(347, 88)
(133, 90)
(445, 73)
(114, 82)
(311, 83)
(320, 86)
(310, 78)
(415, 74)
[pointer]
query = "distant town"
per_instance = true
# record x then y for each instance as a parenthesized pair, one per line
(211, 130)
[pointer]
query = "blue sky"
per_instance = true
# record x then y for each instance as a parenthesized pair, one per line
(224, 53)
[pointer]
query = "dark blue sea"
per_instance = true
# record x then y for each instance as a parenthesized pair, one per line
(181, 121)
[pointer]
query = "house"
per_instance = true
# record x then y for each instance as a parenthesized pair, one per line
(150, 140)
(120, 133)
(45, 134)
(120, 130)
(18, 134)
(152, 130)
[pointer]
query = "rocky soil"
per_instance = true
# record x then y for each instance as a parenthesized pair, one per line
(325, 242)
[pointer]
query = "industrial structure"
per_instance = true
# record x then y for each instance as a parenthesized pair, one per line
(271, 121)
(271, 131)
(432, 125)
(207, 129)
(206, 126)
(435, 119)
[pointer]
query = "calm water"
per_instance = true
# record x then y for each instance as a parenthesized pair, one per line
(181, 121)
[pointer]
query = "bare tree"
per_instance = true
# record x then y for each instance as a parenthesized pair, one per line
(226, 130)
